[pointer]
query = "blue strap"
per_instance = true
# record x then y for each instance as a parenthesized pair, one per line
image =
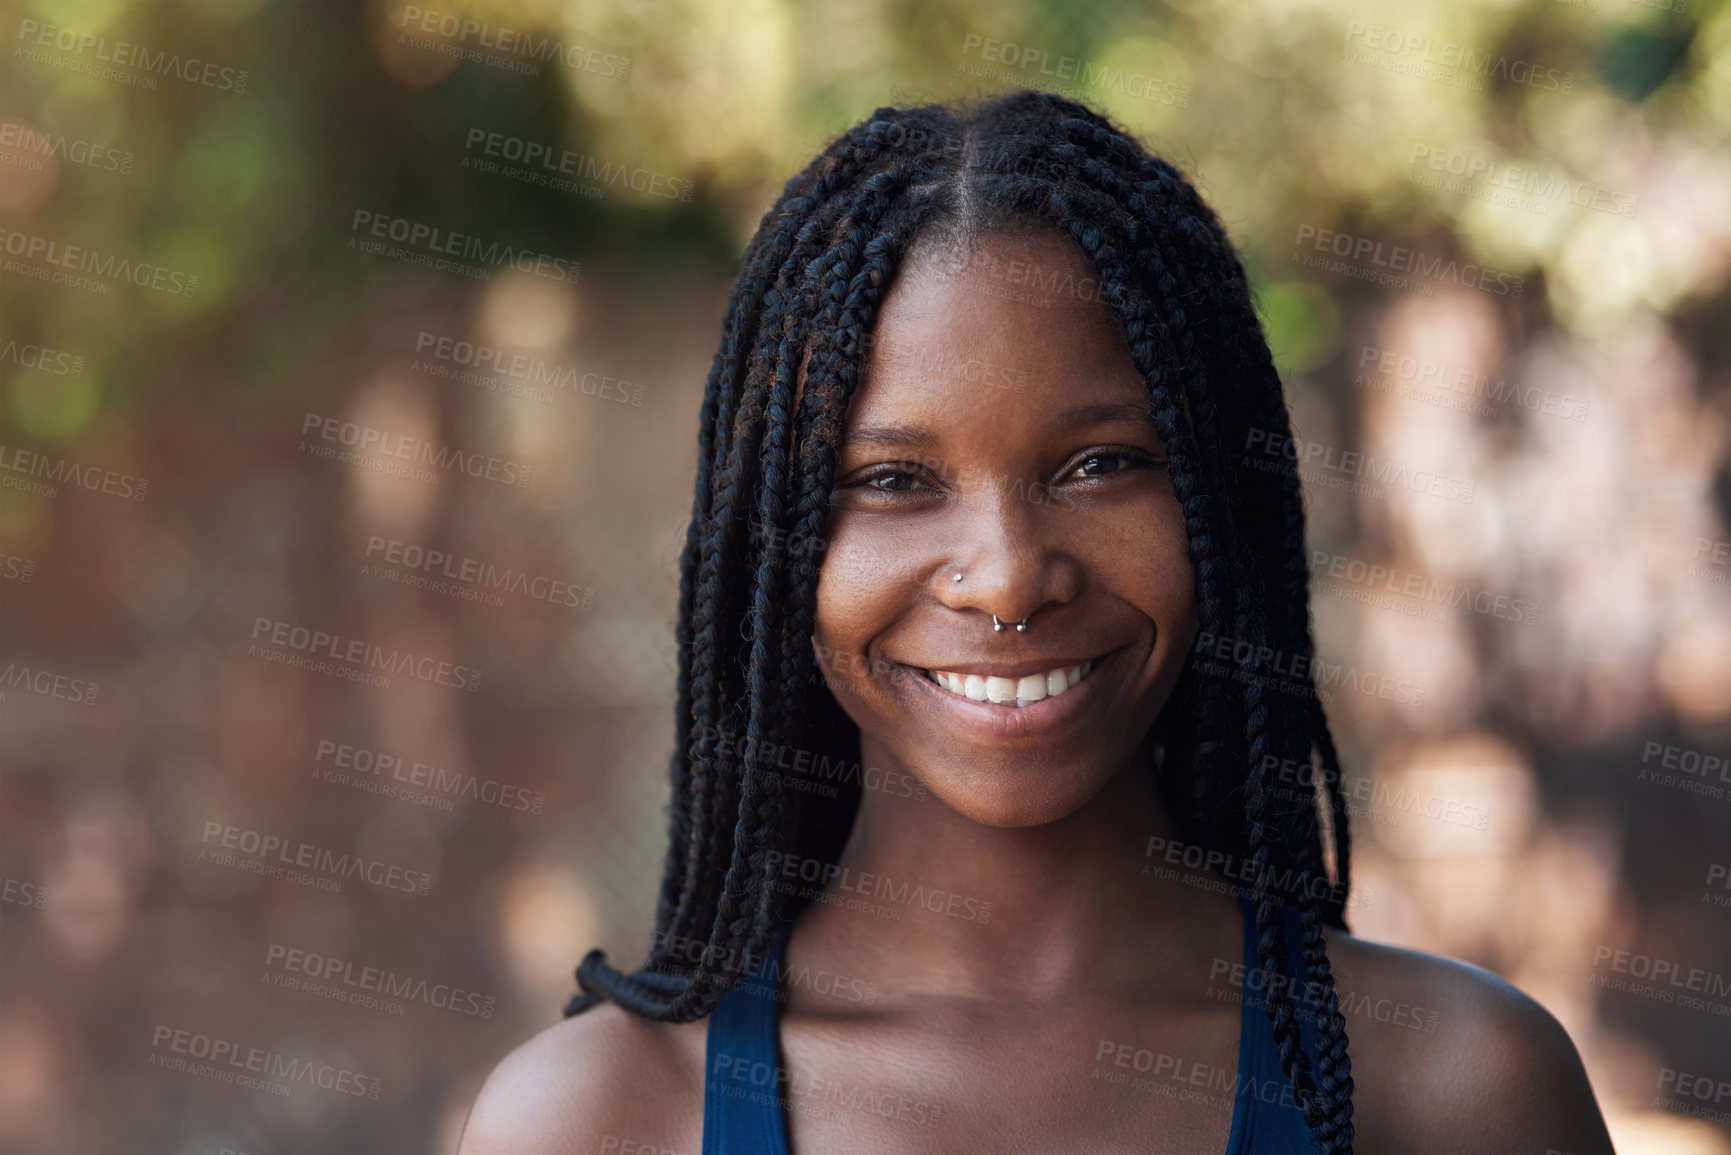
(743, 1105)
(743, 1081)
(1266, 1119)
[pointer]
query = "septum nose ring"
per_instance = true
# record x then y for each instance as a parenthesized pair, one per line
(997, 626)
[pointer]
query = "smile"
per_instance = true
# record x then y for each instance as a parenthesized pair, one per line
(1015, 692)
(1003, 701)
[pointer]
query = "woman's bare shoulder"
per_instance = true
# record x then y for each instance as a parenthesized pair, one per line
(603, 1075)
(1449, 1057)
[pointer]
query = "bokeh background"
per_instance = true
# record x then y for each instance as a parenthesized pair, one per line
(235, 237)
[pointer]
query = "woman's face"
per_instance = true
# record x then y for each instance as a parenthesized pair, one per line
(1000, 431)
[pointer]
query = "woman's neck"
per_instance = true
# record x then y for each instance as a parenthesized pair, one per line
(1020, 912)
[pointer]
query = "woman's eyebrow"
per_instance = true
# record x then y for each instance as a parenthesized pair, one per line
(898, 436)
(1103, 411)
(892, 436)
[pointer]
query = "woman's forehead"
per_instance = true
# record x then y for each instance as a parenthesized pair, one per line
(1014, 315)
(1014, 307)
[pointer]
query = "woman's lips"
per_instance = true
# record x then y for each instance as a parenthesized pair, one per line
(1010, 721)
(1006, 689)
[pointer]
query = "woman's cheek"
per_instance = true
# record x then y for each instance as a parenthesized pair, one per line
(849, 583)
(866, 557)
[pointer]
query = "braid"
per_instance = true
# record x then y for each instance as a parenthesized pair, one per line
(1332, 1118)
(1328, 1103)
(719, 394)
(719, 780)
(777, 246)
(1185, 468)
(772, 700)
(1155, 253)
(793, 338)
(1330, 1097)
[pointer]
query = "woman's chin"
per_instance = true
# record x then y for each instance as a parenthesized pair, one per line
(1011, 799)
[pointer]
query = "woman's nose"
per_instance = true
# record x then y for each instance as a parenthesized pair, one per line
(1008, 559)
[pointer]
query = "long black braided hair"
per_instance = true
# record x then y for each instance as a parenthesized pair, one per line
(802, 309)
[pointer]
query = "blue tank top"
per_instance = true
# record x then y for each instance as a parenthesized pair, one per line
(743, 1112)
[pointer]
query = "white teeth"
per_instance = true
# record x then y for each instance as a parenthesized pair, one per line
(1012, 691)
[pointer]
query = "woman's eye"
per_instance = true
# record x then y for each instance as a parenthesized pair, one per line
(891, 482)
(1105, 464)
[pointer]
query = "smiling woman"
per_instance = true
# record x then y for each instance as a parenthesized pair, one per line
(1048, 507)
(992, 363)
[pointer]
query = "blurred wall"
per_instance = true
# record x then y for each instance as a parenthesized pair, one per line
(350, 359)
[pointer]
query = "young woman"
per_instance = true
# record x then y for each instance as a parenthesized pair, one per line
(1005, 816)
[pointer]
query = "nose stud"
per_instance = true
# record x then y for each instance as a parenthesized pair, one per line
(997, 626)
